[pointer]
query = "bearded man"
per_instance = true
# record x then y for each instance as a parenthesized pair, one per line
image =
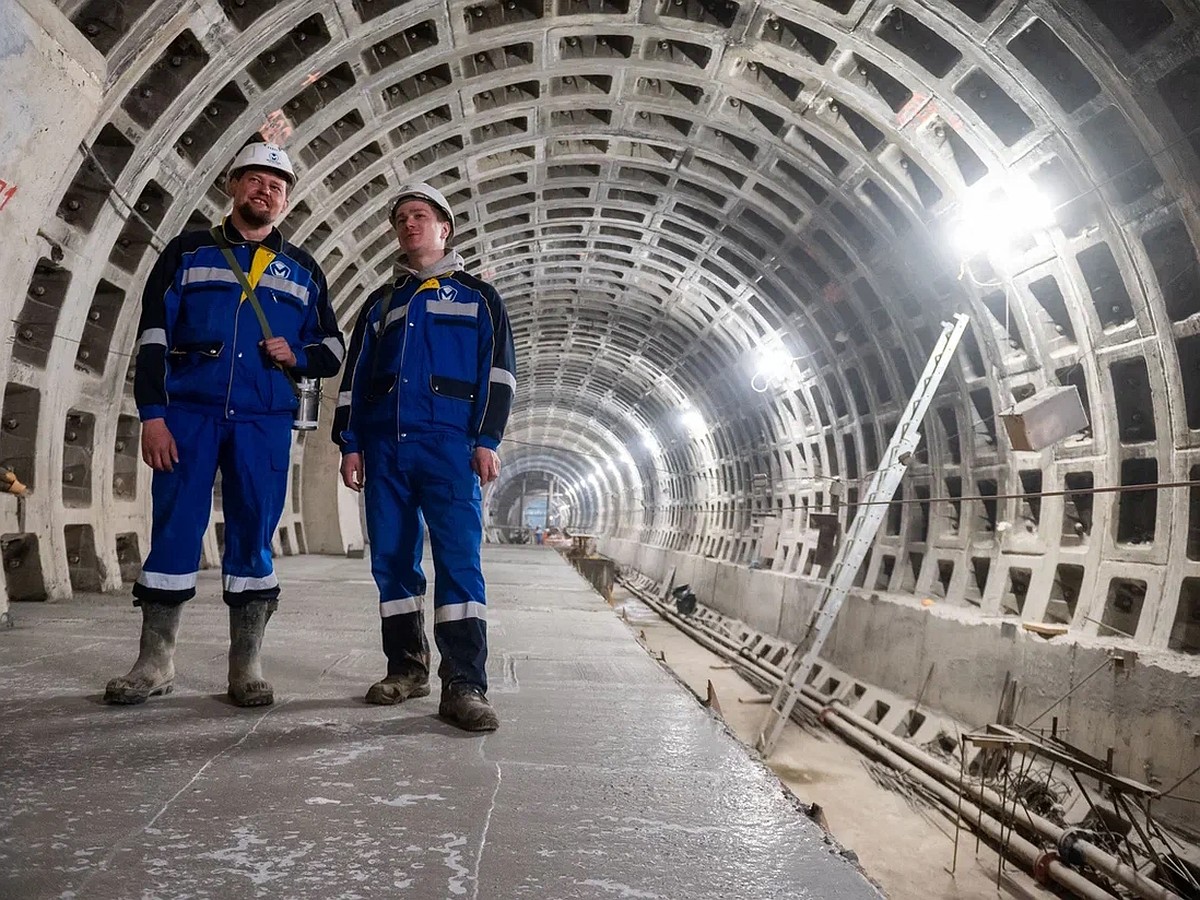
(216, 390)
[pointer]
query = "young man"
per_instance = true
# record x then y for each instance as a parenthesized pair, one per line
(214, 393)
(424, 400)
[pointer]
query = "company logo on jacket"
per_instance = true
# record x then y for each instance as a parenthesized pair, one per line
(279, 270)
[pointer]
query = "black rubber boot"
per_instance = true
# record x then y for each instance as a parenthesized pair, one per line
(246, 626)
(407, 651)
(154, 672)
(467, 707)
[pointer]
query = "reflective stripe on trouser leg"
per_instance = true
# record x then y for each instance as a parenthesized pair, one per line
(450, 500)
(255, 457)
(397, 538)
(182, 502)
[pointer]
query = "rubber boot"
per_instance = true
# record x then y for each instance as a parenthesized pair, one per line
(154, 672)
(407, 651)
(246, 626)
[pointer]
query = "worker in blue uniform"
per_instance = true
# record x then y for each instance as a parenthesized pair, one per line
(214, 392)
(425, 396)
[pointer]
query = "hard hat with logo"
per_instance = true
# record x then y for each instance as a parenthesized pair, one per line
(426, 192)
(261, 155)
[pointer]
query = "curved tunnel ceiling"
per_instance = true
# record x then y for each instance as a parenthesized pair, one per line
(663, 189)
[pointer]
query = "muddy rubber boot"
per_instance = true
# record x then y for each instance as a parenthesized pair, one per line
(467, 707)
(246, 626)
(407, 652)
(154, 672)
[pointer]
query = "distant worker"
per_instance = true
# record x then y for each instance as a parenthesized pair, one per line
(537, 535)
(215, 392)
(424, 400)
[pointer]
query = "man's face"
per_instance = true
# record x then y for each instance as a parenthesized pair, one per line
(259, 196)
(419, 228)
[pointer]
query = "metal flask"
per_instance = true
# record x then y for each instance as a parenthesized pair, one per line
(309, 404)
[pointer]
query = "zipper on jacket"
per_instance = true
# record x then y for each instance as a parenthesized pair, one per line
(403, 352)
(237, 314)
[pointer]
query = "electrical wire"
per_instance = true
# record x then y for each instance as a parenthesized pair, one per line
(743, 508)
(114, 192)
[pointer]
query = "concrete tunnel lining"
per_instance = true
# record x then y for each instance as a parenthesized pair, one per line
(659, 189)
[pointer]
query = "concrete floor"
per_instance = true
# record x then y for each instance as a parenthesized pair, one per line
(606, 779)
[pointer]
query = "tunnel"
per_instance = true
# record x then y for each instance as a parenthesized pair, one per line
(728, 234)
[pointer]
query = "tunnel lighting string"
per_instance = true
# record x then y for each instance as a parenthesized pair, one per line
(1111, 489)
(742, 507)
(156, 242)
(1088, 356)
(650, 466)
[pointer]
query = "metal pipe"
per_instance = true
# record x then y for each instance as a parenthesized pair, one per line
(1033, 856)
(817, 702)
(1095, 857)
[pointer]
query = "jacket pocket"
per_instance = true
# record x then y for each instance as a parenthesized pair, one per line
(197, 350)
(380, 386)
(193, 373)
(453, 388)
(453, 402)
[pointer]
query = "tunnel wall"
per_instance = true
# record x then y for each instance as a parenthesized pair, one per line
(53, 85)
(956, 659)
(78, 237)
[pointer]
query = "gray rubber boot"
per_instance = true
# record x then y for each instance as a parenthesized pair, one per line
(246, 626)
(154, 671)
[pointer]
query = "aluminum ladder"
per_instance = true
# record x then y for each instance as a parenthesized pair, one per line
(853, 550)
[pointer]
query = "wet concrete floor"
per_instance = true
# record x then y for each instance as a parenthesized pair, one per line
(605, 780)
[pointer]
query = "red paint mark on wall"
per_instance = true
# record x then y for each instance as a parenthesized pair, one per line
(921, 108)
(277, 128)
(6, 193)
(833, 293)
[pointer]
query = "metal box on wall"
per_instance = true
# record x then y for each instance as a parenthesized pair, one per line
(1045, 418)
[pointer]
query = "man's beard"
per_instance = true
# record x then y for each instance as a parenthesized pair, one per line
(251, 215)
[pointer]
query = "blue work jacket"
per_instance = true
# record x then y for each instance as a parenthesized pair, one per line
(199, 342)
(430, 354)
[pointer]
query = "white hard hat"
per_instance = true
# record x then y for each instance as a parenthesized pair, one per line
(263, 156)
(426, 192)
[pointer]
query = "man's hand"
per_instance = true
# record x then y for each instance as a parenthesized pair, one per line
(352, 471)
(486, 464)
(158, 446)
(279, 351)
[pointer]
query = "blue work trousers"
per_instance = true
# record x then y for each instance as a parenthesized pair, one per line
(253, 457)
(428, 478)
